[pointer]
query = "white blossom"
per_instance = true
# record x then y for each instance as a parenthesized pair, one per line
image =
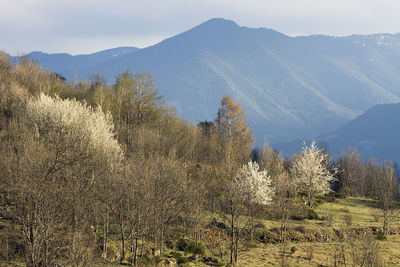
(76, 122)
(312, 175)
(255, 184)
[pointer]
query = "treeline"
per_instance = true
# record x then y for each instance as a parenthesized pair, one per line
(87, 165)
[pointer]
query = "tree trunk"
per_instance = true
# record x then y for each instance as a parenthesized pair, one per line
(385, 222)
(105, 232)
(236, 245)
(309, 198)
(121, 223)
(232, 233)
(136, 247)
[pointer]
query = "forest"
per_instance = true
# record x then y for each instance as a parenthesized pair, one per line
(102, 174)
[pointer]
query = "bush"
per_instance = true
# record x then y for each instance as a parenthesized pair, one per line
(194, 248)
(217, 224)
(212, 261)
(190, 246)
(157, 259)
(293, 249)
(266, 236)
(300, 228)
(312, 214)
(182, 244)
(176, 255)
(337, 194)
(301, 212)
(380, 236)
(294, 236)
(182, 260)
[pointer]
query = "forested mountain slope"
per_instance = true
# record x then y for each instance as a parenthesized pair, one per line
(290, 87)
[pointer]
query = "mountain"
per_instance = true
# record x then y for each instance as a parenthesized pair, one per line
(375, 134)
(70, 66)
(291, 87)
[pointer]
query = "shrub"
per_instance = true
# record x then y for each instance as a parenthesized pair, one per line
(212, 261)
(194, 248)
(182, 244)
(182, 260)
(301, 212)
(380, 236)
(157, 259)
(190, 246)
(293, 249)
(312, 214)
(176, 255)
(300, 228)
(266, 236)
(217, 224)
(294, 236)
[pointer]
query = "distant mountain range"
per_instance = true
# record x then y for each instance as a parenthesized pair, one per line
(291, 87)
(72, 67)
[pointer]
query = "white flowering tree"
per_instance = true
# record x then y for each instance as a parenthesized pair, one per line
(254, 185)
(311, 173)
(75, 125)
(251, 188)
(66, 153)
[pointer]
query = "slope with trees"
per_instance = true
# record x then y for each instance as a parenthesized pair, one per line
(98, 174)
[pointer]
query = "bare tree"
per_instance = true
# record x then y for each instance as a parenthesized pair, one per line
(387, 188)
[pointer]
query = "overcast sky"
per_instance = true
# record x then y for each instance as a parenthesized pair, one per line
(85, 26)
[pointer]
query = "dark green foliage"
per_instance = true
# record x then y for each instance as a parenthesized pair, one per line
(190, 246)
(182, 260)
(305, 212)
(182, 244)
(176, 255)
(339, 195)
(293, 249)
(212, 261)
(157, 259)
(380, 236)
(330, 197)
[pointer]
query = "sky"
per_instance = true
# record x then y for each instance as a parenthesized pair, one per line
(87, 26)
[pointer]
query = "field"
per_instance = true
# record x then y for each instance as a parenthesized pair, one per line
(350, 214)
(363, 213)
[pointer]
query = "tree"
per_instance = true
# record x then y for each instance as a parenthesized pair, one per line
(136, 102)
(350, 172)
(250, 188)
(311, 173)
(64, 149)
(387, 189)
(234, 133)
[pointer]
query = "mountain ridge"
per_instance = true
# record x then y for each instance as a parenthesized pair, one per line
(290, 87)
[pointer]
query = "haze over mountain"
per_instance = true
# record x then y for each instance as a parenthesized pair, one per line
(291, 87)
(374, 134)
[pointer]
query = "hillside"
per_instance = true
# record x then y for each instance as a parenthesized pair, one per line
(374, 134)
(290, 87)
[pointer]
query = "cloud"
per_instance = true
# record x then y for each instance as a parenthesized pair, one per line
(78, 26)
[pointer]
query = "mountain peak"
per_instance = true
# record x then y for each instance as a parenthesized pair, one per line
(218, 24)
(220, 21)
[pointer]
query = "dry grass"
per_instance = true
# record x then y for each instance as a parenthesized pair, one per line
(363, 212)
